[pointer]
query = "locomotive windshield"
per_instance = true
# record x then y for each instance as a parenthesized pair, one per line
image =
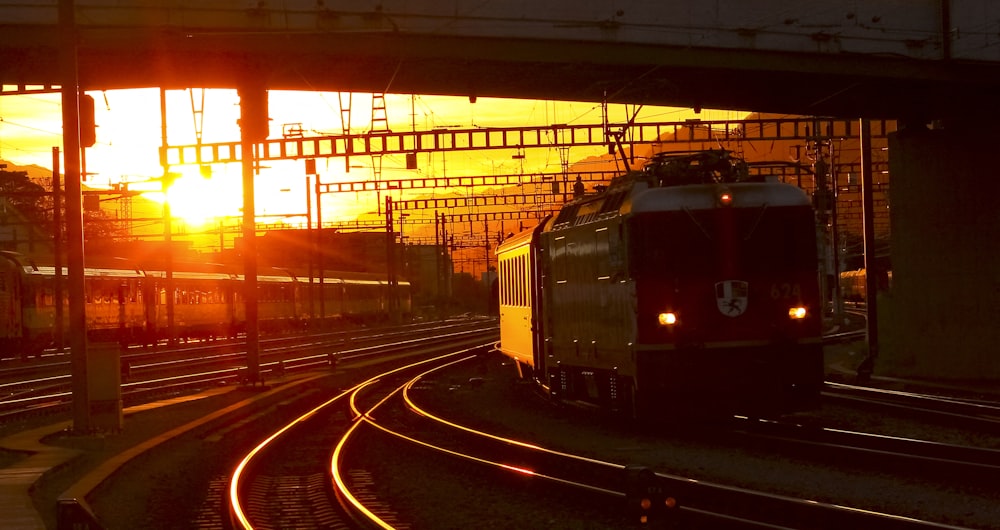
(701, 242)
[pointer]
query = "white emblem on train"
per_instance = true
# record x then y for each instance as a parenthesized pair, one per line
(731, 297)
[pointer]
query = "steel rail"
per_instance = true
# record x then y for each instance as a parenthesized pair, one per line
(704, 499)
(157, 380)
(246, 468)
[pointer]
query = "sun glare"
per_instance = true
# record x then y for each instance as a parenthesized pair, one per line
(200, 201)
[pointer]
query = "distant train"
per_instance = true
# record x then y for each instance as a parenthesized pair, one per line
(684, 287)
(853, 284)
(129, 306)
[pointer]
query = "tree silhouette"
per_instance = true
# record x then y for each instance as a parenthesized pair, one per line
(29, 198)
(33, 202)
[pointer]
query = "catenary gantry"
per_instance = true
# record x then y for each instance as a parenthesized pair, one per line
(542, 136)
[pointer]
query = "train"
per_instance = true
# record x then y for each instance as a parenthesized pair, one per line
(854, 286)
(129, 305)
(683, 288)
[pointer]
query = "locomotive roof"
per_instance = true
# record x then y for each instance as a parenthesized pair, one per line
(680, 181)
(706, 196)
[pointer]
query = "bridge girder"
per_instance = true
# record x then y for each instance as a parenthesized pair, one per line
(842, 85)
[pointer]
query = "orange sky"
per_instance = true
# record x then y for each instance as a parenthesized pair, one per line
(129, 135)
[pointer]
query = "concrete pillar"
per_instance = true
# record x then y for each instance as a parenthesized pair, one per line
(941, 317)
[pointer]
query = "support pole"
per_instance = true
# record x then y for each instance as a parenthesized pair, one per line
(444, 286)
(309, 250)
(867, 366)
(57, 251)
(438, 256)
(838, 301)
(74, 216)
(390, 240)
(486, 271)
(486, 246)
(252, 102)
(317, 245)
(168, 252)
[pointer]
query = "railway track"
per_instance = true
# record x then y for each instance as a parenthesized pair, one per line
(282, 482)
(968, 410)
(564, 484)
(972, 463)
(46, 387)
(619, 487)
(485, 475)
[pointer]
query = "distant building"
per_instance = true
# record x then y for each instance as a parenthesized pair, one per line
(429, 270)
(20, 234)
(426, 267)
(349, 252)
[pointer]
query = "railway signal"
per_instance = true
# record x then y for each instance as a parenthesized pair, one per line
(88, 126)
(647, 500)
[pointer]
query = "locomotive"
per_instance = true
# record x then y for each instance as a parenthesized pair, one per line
(129, 305)
(687, 286)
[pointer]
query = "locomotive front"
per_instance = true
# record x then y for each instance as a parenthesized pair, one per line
(728, 302)
(686, 287)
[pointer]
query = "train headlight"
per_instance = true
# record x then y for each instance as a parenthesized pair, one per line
(667, 318)
(725, 197)
(797, 313)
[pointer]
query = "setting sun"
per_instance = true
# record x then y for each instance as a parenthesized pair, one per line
(200, 201)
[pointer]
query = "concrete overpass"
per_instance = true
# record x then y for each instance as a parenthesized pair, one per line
(912, 60)
(926, 59)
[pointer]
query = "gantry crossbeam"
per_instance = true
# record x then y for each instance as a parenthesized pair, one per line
(783, 171)
(544, 136)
